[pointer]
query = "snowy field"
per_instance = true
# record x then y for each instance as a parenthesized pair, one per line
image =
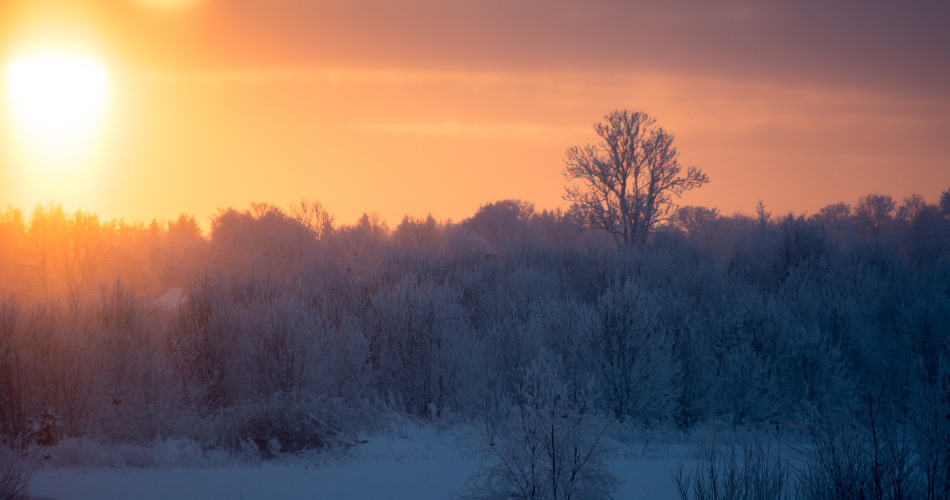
(416, 463)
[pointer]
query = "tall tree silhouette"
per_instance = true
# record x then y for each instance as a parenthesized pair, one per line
(629, 178)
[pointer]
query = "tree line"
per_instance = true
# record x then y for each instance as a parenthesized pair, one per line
(55, 252)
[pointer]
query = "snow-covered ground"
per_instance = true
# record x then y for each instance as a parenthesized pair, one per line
(412, 463)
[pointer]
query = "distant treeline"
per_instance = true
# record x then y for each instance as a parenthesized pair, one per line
(54, 252)
(292, 325)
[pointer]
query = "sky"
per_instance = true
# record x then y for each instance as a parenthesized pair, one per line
(439, 106)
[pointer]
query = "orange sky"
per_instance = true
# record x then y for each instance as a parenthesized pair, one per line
(417, 106)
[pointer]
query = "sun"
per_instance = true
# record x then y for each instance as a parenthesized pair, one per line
(57, 100)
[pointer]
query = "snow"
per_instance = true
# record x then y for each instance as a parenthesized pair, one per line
(412, 463)
(170, 299)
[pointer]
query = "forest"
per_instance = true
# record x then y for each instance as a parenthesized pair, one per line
(550, 332)
(294, 330)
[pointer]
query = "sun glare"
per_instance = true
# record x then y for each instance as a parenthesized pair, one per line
(57, 100)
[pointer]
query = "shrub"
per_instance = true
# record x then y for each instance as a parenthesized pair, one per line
(863, 459)
(288, 423)
(552, 447)
(14, 475)
(759, 474)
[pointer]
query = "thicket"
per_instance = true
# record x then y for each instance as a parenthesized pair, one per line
(294, 330)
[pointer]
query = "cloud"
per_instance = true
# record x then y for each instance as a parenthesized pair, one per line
(541, 105)
(851, 44)
(519, 131)
(321, 74)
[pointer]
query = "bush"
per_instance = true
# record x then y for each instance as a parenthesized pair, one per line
(288, 423)
(630, 354)
(861, 460)
(759, 474)
(14, 475)
(552, 446)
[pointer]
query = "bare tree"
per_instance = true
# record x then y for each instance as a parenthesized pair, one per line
(762, 214)
(419, 233)
(874, 213)
(945, 203)
(63, 251)
(693, 220)
(14, 475)
(553, 445)
(629, 178)
(40, 242)
(914, 206)
(835, 215)
(81, 250)
(315, 217)
(12, 240)
(501, 221)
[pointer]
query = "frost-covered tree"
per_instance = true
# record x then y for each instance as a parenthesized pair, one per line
(628, 180)
(265, 237)
(630, 354)
(500, 222)
(835, 214)
(945, 203)
(693, 220)
(64, 252)
(418, 234)
(873, 213)
(361, 243)
(14, 475)
(417, 335)
(551, 447)
(12, 238)
(313, 216)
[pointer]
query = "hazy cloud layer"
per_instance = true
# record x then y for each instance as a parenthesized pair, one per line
(894, 45)
(901, 46)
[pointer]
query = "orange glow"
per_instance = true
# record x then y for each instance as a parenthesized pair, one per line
(373, 106)
(168, 4)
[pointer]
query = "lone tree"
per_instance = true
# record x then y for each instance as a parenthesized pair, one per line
(629, 178)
